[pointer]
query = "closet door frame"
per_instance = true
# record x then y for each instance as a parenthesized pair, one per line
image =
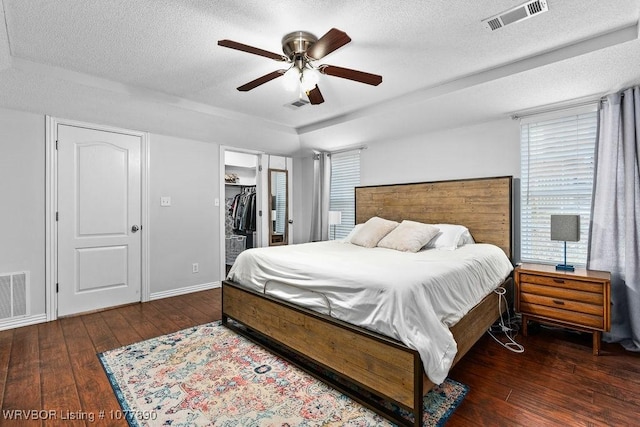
(259, 185)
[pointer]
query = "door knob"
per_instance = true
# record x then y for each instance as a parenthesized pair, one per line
(134, 229)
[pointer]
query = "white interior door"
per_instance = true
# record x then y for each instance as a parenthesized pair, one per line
(99, 212)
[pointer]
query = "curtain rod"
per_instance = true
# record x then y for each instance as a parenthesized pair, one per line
(344, 150)
(593, 101)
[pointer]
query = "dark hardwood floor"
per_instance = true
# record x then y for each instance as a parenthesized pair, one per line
(556, 381)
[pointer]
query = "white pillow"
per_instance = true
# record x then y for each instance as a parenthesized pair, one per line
(353, 231)
(450, 237)
(372, 232)
(467, 239)
(409, 236)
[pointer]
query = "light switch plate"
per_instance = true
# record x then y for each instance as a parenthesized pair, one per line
(165, 201)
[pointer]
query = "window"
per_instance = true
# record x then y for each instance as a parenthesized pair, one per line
(557, 167)
(345, 176)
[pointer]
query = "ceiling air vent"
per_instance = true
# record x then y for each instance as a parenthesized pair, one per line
(297, 104)
(516, 14)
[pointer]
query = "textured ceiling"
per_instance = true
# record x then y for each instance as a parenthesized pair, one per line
(435, 56)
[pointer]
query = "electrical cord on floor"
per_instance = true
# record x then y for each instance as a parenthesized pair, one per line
(510, 328)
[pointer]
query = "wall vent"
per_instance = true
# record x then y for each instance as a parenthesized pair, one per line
(13, 294)
(516, 14)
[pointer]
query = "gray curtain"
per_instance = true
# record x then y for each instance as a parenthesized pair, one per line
(614, 243)
(321, 193)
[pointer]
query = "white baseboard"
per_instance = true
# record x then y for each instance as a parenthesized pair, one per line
(22, 321)
(42, 318)
(185, 290)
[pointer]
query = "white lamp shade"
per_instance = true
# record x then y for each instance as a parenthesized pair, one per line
(309, 79)
(291, 79)
(335, 217)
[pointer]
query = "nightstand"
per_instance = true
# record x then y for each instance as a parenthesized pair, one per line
(577, 299)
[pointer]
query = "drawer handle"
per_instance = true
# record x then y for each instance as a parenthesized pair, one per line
(558, 280)
(557, 301)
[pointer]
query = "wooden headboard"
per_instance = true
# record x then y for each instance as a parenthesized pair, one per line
(483, 205)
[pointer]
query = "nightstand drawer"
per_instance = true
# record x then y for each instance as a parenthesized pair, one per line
(562, 303)
(595, 298)
(579, 285)
(564, 316)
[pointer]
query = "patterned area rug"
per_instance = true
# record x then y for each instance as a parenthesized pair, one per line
(209, 375)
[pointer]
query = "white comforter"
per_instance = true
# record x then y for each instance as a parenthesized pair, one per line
(412, 297)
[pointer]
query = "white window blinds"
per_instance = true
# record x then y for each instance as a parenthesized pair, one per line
(345, 176)
(557, 167)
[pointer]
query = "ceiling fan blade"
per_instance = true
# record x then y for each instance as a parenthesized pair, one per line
(261, 80)
(250, 49)
(332, 40)
(315, 96)
(348, 73)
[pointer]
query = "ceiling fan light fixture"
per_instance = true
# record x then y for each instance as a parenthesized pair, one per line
(291, 79)
(309, 79)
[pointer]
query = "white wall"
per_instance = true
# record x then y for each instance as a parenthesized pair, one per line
(188, 231)
(22, 207)
(483, 150)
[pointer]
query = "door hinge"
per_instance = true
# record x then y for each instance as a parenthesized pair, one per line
(56, 144)
(57, 288)
(260, 168)
(56, 216)
(259, 213)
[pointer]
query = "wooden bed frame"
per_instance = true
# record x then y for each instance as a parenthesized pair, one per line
(349, 355)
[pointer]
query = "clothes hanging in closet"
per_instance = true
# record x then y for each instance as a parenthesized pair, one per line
(243, 210)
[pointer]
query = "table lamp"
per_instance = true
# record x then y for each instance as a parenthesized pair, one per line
(565, 228)
(335, 218)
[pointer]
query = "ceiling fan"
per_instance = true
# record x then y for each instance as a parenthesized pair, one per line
(301, 49)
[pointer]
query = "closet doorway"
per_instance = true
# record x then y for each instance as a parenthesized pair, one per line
(241, 206)
(257, 205)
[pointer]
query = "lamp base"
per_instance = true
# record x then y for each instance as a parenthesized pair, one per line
(565, 267)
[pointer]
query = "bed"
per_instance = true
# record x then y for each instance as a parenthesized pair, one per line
(379, 363)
